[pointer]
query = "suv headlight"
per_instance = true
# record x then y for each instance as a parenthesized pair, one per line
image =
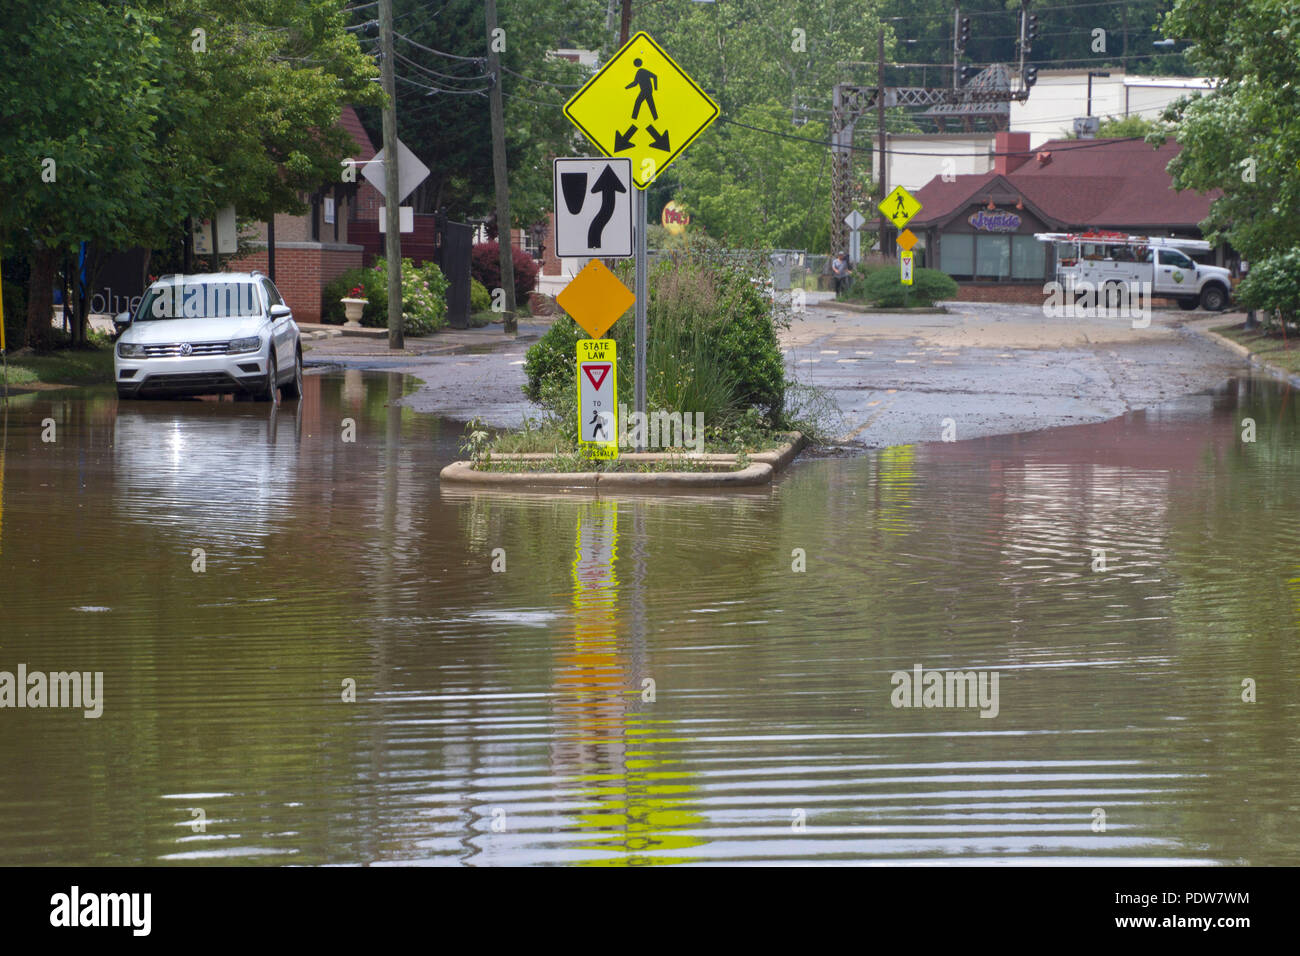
(129, 350)
(250, 344)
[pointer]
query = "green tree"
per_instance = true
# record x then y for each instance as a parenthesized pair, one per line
(175, 108)
(753, 190)
(443, 106)
(1243, 137)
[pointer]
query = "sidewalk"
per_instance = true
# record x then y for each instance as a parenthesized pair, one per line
(323, 342)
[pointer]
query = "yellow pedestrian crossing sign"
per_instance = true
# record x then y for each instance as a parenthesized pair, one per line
(641, 106)
(899, 207)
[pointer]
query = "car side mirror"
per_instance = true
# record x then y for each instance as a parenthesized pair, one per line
(280, 311)
(121, 320)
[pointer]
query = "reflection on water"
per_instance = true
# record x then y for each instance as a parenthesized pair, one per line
(647, 681)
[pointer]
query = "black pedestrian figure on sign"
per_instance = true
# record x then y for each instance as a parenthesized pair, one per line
(901, 210)
(648, 83)
(597, 419)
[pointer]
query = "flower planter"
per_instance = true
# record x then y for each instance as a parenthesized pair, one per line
(352, 309)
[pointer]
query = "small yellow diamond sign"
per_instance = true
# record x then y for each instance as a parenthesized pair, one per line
(899, 207)
(907, 239)
(642, 106)
(595, 298)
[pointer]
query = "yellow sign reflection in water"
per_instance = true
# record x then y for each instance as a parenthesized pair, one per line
(637, 801)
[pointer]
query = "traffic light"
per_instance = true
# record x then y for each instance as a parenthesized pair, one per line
(1031, 76)
(968, 73)
(963, 33)
(1031, 27)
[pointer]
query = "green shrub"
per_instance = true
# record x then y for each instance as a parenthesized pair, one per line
(880, 286)
(712, 345)
(553, 360)
(480, 300)
(332, 312)
(424, 296)
(1273, 286)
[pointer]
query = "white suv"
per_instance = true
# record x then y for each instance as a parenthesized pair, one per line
(208, 334)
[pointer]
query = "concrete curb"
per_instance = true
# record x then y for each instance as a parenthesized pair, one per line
(1244, 351)
(871, 309)
(761, 470)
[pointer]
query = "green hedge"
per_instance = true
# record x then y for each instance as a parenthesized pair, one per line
(880, 286)
(424, 296)
(1273, 286)
(480, 300)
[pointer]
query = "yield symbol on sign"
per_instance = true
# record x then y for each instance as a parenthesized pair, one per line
(591, 368)
(607, 184)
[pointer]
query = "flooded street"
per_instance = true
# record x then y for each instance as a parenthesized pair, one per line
(562, 678)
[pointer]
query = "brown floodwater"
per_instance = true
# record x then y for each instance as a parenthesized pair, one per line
(561, 678)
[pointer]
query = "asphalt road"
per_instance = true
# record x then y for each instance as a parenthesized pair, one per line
(991, 369)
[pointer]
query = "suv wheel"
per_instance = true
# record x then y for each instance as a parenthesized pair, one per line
(270, 392)
(292, 389)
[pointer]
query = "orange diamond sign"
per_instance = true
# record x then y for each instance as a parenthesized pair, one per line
(907, 239)
(595, 298)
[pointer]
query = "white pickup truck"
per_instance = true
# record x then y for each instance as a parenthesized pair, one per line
(1103, 259)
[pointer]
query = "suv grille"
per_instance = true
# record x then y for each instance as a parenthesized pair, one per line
(196, 348)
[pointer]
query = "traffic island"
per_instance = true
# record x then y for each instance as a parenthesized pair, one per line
(636, 471)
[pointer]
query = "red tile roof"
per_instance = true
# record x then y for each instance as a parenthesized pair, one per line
(352, 123)
(1108, 182)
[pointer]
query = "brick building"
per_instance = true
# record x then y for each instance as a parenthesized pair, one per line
(317, 246)
(979, 228)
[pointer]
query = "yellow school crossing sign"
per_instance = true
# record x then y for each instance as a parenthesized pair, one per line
(641, 106)
(899, 207)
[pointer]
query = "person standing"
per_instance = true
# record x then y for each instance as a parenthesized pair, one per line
(840, 271)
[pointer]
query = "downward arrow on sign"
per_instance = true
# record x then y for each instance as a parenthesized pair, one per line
(591, 367)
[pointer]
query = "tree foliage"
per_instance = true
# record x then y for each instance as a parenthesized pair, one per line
(443, 111)
(755, 190)
(123, 119)
(1243, 137)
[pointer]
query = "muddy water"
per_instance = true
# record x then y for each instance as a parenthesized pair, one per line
(646, 680)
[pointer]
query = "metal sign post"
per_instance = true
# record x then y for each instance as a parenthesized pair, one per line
(640, 229)
(651, 127)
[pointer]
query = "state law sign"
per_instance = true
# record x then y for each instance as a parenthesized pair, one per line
(598, 398)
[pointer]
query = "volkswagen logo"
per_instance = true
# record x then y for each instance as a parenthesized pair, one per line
(186, 349)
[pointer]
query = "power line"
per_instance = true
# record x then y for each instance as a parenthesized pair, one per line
(529, 79)
(435, 73)
(904, 152)
(428, 49)
(439, 89)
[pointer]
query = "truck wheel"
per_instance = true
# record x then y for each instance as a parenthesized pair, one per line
(1187, 304)
(1213, 298)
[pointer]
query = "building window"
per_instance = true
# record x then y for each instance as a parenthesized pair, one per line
(957, 255)
(1028, 258)
(992, 257)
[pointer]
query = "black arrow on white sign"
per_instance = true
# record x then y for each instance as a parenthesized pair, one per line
(607, 184)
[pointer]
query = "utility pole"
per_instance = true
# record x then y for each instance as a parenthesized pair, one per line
(504, 240)
(625, 24)
(956, 48)
(880, 133)
(392, 214)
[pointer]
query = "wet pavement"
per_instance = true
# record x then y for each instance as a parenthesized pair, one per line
(312, 653)
(895, 378)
